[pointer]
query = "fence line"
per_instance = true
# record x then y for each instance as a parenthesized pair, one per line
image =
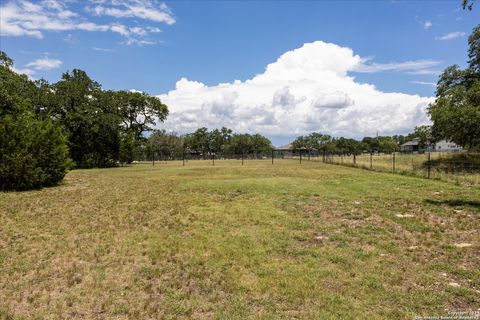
(460, 167)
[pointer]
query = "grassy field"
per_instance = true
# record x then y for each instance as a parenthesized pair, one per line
(231, 242)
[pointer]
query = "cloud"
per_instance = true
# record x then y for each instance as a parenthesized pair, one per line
(424, 83)
(427, 24)
(102, 49)
(44, 64)
(407, 66)
(143, 9)
(451, 35)
(307, 89)
(33, 19)
(424, 72)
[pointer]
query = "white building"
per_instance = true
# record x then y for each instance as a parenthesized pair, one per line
(444, 145)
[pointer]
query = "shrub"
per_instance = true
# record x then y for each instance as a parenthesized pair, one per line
(33, 152)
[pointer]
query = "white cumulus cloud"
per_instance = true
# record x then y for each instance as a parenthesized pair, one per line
(306, 89)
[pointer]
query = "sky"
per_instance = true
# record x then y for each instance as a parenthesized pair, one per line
(278, 68)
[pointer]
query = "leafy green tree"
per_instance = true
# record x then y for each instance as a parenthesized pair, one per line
(219, 140)
(33, 151)
(241, 144)
(138, 111)
(260, 144)
(91, 124)
(348, 146)
(128, 148)
(16, 90)
(165, 145)
(387, 144)
(456, 111)
(5, 60)
(380, 144)
(198, 141)
(424, 134)
(314, 141)
(320, 142)
(301, 142)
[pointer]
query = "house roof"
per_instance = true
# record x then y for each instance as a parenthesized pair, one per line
(413, 142)
(286, 147)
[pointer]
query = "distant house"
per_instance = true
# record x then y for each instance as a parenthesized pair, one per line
(285, 147)
(447, 146)
(410, 145)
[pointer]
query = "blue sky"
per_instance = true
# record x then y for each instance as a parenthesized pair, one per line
(403, 46)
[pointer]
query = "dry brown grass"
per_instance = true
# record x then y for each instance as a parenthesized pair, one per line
(258, 241)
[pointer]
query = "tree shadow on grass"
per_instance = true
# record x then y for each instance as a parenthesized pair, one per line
(454, 203)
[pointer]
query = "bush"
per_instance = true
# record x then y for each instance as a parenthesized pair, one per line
(33, 153)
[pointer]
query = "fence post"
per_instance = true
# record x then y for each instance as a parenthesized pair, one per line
(183, 157)
(300, 156)
(428, 162)
(213, 159)
(393, 161)
(354, 159)
(242, 156)
(272, 156)
(371, 160)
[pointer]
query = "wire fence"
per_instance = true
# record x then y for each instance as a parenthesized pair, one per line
(459, 167)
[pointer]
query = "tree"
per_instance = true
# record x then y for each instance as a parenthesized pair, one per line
(241, 144)
(127, 148)
(33, 151)
(474, 52)
(198, 141)
(92, 126)
(104, 127)
(165, 145)
(5, 60)
(260, 144)
(456, 111)
(219, 140)
(424, 134)
(138, 111)
(301, 142)
(387, 144)
(320, 142)
(348, 146)
(314, 141)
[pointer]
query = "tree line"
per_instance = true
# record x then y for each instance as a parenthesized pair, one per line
(202, 143)
(319, 142)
